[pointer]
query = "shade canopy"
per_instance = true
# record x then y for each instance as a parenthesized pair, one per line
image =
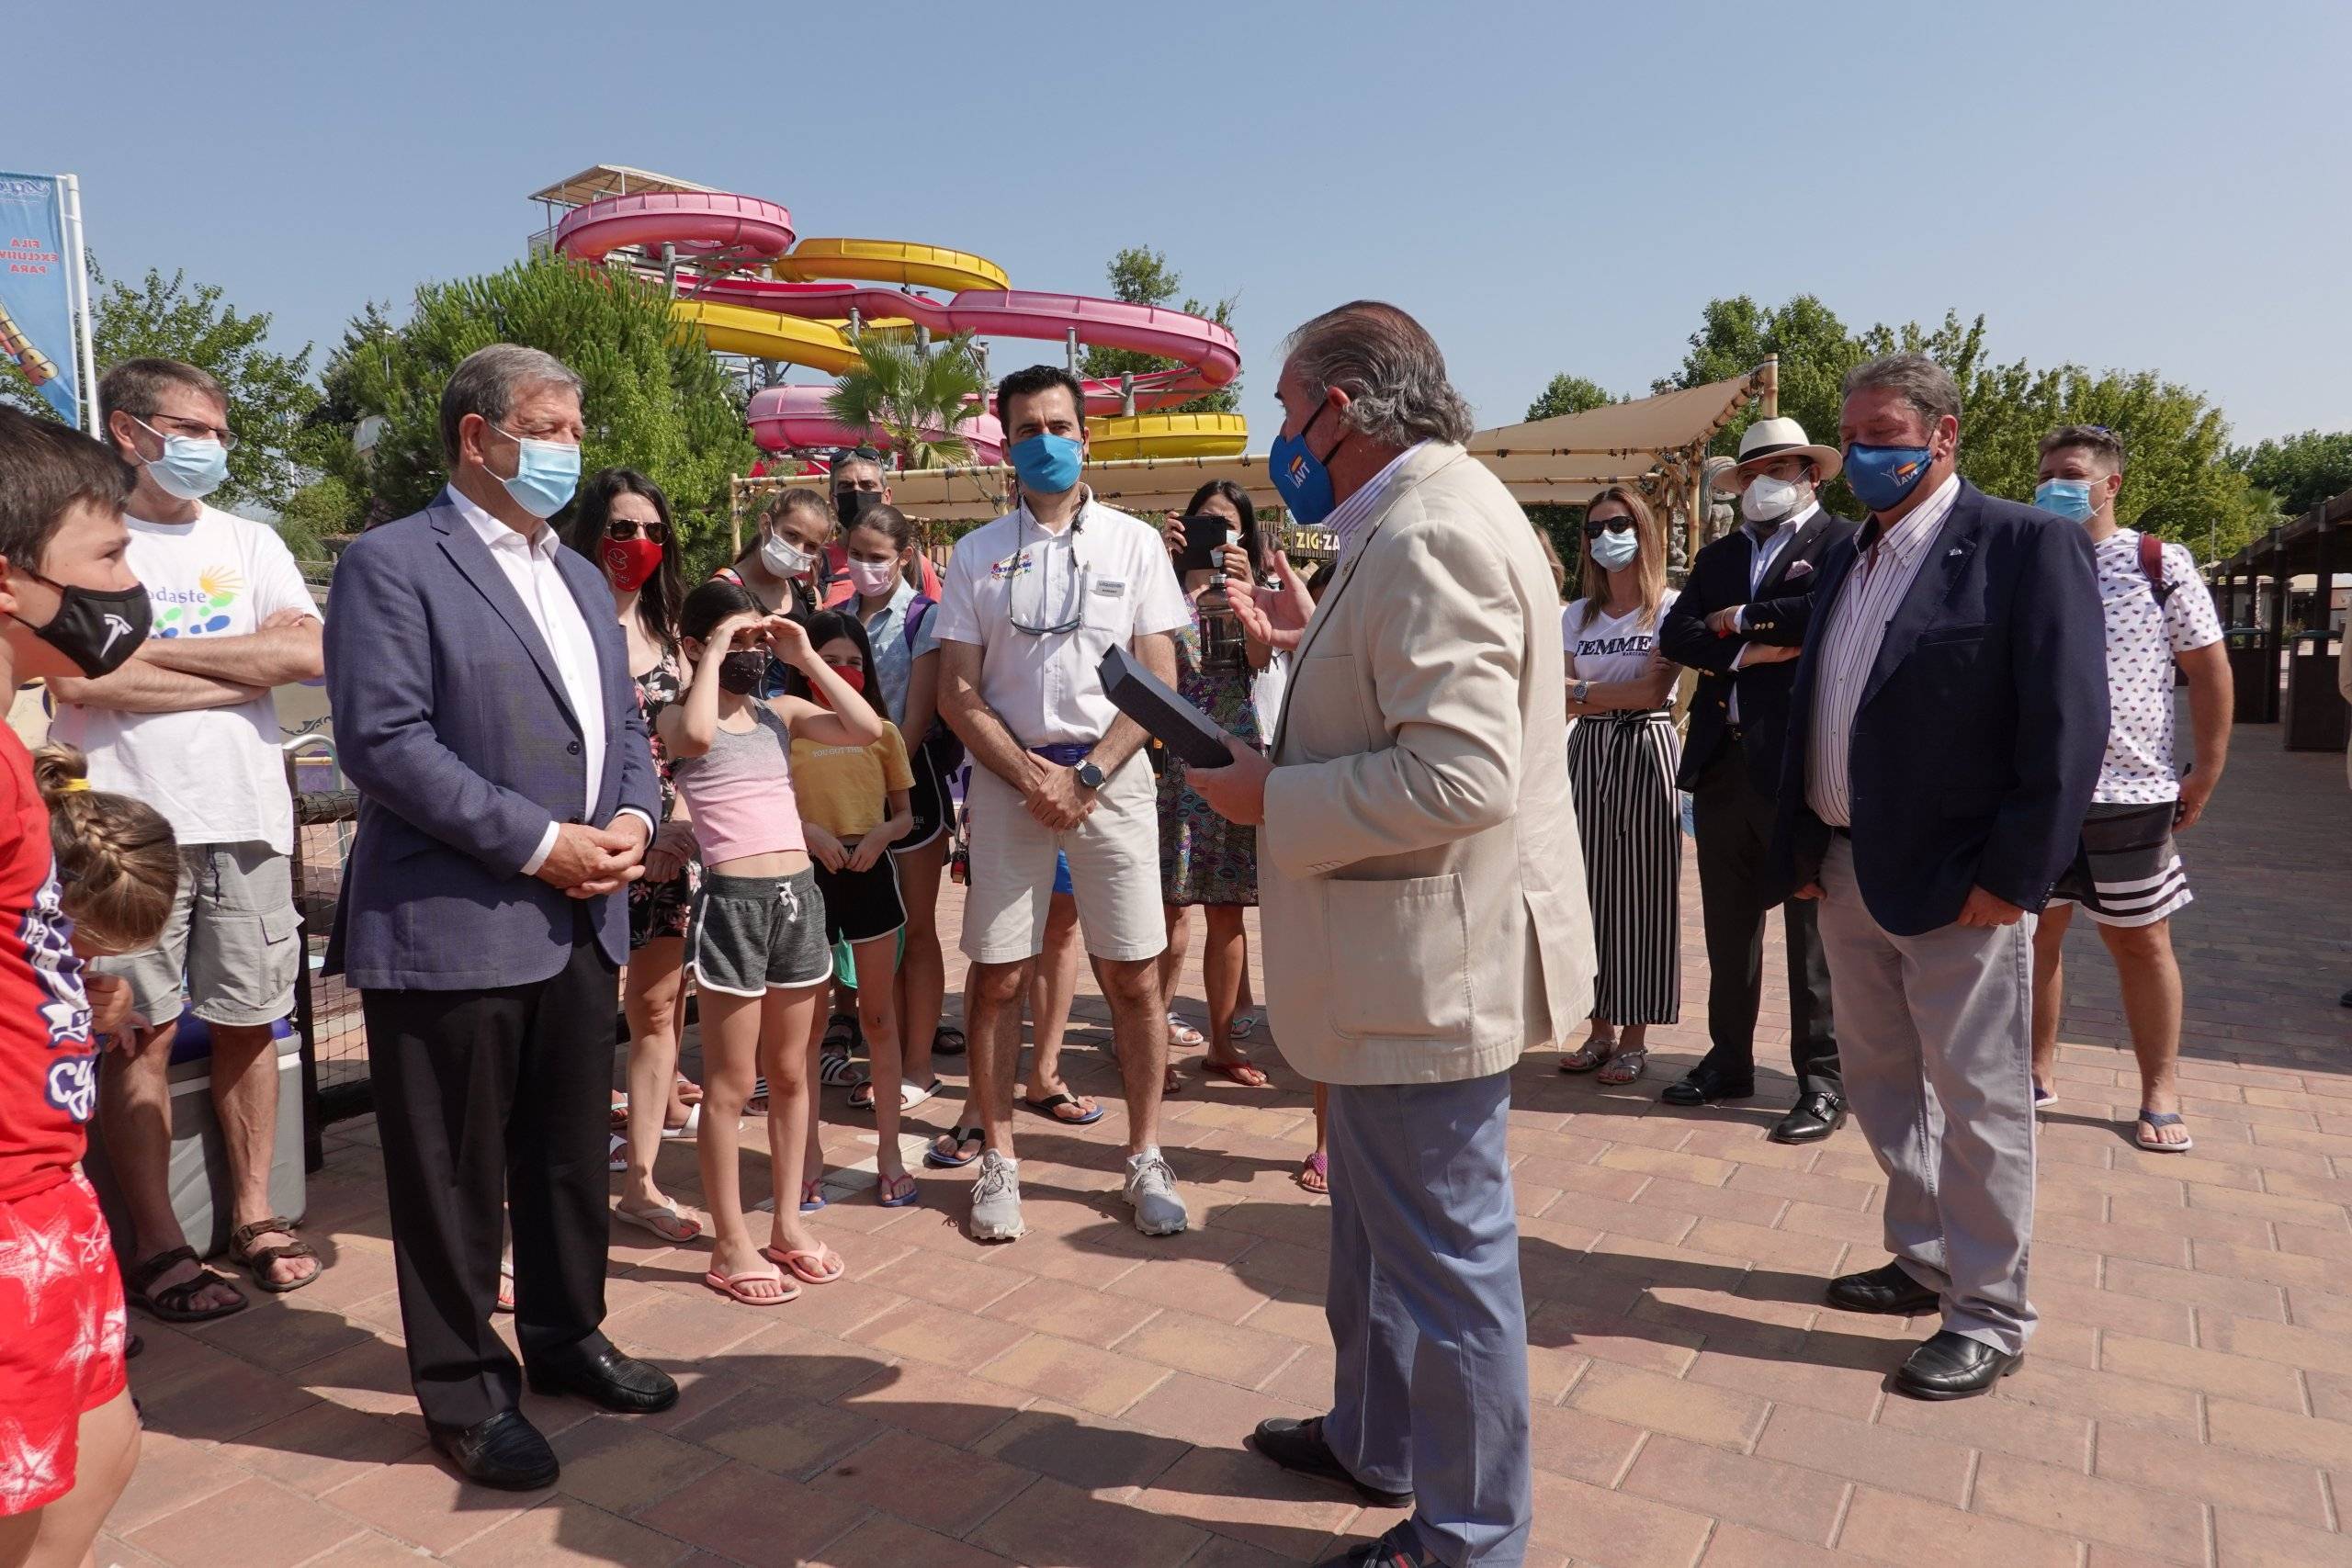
(1563, 460)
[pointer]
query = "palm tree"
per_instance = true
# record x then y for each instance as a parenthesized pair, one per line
(909, 397)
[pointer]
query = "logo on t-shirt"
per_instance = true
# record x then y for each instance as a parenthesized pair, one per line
(199, 611)
(1596, 647)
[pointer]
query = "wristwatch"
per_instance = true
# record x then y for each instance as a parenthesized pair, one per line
(1581, 691)
(1089, 775)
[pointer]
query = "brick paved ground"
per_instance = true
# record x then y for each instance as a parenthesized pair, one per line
(1080, 1398)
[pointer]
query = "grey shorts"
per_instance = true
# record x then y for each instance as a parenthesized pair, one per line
(232, 934)
(749, 935)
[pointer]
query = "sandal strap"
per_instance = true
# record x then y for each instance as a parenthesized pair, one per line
(242, 1236)
(148, 1271)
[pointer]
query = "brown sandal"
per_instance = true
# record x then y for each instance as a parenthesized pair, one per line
(241, 1251)
(170, 1303)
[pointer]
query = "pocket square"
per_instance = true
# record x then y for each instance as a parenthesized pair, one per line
(1799, 569)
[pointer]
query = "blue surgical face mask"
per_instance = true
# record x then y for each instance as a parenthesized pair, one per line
(1882, 476)
(1616, 548)
(1300, 477)
(1046, 464)
(191, 467)
(2070, 499)
(546, 474)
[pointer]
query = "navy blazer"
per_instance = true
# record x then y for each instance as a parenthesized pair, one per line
(1978, 740)
(452, 722)
(1718, 581)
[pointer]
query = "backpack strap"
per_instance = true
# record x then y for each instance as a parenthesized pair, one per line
(919, 609)
(2151, 567)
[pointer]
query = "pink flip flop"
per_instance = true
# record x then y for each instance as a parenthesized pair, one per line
(821, 1267)
(732, 1286)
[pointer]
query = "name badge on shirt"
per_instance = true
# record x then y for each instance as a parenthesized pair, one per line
(1111, 587)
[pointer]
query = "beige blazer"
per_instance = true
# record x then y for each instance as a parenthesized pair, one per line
(1420, 881)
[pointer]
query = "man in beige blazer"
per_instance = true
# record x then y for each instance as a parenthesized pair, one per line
(1425, 920)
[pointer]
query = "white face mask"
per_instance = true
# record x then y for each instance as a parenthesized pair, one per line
(1768, 499)
(784, 559)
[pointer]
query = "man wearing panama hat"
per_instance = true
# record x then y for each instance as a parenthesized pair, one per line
(1757, 577)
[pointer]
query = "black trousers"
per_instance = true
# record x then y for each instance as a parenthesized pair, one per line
(1734, 820)
(491, 1104)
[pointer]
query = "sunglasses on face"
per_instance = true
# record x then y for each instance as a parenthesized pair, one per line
(1608, 525)
(621, 528)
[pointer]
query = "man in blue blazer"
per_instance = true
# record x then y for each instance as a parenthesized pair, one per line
(1944, 734)
(483, 707)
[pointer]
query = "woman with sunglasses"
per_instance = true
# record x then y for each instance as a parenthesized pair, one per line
(622, 522)
(1622, 756)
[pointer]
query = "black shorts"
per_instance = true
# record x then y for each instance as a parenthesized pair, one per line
(861, 905)
(927, 800)
(2125, 870)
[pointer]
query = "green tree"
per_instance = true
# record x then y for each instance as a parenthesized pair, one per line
(654, 398)
(911, 400)
(1565, 394)
(2300, 472)
(270, 394)
(1140, 276)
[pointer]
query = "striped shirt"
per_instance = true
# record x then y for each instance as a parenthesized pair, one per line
(1857, 625)
(1349, 515)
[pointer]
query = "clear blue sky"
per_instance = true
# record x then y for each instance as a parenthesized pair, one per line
(1549, 186)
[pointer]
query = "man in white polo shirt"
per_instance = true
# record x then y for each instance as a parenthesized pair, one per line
(1031, 604)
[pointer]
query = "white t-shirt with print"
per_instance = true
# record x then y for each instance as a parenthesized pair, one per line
(1610, 648)
(2140, 642)
(215, 774)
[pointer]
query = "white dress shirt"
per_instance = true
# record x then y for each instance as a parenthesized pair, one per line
(1104, 576)
(1851, 634)
(1761, 554)
(1348, 517)
(528, 564)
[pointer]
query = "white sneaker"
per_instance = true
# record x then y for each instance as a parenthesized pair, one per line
(996, 1199)
(1151, 1193)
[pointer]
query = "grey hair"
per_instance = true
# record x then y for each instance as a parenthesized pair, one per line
(485, 383)
(1918, 380)
(1389, 366)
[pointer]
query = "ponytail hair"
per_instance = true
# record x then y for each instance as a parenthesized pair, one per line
(117, 860)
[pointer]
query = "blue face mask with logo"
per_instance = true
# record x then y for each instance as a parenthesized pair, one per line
(2070, 499)
(1882, 477)
(191, 467)
(546, 474)
(1046, 464)
(1300, 477)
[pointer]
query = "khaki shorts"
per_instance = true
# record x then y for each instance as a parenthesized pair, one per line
(1114, 871)
(233, 934)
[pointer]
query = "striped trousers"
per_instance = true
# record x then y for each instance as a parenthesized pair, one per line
(1622, 771)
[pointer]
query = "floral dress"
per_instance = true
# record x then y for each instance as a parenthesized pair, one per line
(1203, 859)
(657, 909)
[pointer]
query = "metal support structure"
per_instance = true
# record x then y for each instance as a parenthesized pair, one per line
(1128, 396)
(1768, 389)
(1072, 341)
(857, 323)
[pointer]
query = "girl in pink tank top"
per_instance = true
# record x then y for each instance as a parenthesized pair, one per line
(755, 938)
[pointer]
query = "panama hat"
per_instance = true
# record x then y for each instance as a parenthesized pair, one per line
(1780, 438)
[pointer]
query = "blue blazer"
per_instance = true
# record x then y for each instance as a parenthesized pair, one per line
(452, 722)
(1979, 737)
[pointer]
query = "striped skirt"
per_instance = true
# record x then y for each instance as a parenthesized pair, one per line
(1622, 773)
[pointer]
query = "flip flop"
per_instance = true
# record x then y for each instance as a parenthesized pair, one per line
(1050, 1107)
(732, 1286)
(912, 1095)
(812, 1196)
(947, 1041)
(2043, 1097)
(617, 1154)
(1318, 1165)
(959, 1136)
(2152, 1120)
(861, 1096)
(834, 1068)
(1185, 1035)
(1244, 1025)
(813, 1267)
(690, 1127)
(1234, 1070)
(664, 1222)
(885, 1187)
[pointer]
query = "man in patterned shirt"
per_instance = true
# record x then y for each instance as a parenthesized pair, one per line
(2126, 875)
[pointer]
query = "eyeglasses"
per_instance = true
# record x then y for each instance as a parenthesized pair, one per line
(1610, 525)
(1034, 619)
(194, 428)
(623, 529)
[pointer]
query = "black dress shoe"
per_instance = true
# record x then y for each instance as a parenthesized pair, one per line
(607, 1377)
(1890, 1289)
(1953, 1365)
(1815, 1117)
(1703, 1085)
(1300, 1446)
(506, 1451)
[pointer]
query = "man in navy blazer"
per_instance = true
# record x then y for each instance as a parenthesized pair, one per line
(1944, 735)
(483, 707)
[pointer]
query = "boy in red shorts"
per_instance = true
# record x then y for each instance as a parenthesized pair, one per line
(68, 606)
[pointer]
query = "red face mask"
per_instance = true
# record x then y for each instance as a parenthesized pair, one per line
(631, 562)
(852, 676)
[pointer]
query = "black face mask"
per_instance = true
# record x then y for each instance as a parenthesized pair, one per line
(743, 672)
(851, 504)
(99, 629)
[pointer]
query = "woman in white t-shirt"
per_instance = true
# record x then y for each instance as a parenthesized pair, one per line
(1621, 757)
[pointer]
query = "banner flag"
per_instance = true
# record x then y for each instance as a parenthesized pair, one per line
(35, 290)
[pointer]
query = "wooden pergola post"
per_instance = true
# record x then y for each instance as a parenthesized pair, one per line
(1767, 388)
(2277, 641)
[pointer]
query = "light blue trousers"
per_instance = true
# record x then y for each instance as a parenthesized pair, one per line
(1426, 1313)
